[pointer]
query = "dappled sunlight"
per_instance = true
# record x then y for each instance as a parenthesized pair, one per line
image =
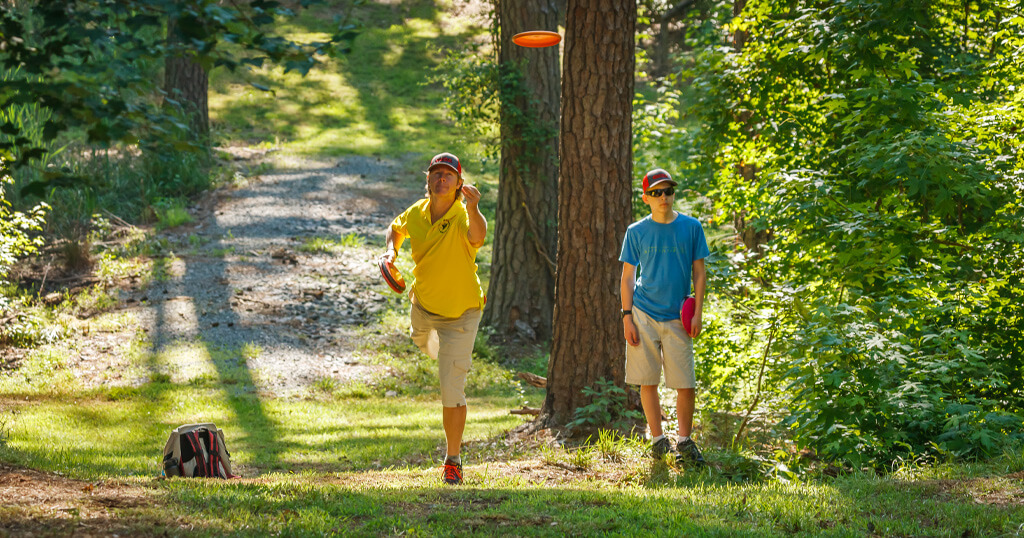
(121, 432)
(182, 360)
(341, 141)
(356, 104)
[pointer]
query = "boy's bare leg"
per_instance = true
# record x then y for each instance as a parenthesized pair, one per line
(454, 420)
(685, 403)
(652, 408)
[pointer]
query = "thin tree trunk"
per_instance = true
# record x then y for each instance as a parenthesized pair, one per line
(186, 82)
(739, 37)
(520, 298)
(595, 178)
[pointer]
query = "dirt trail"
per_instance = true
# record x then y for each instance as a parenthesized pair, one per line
(239, 280)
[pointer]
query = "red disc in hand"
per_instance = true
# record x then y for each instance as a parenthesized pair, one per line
(686, 313)
(391, 275)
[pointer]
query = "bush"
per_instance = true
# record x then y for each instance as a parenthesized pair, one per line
(888, 215)
(16, 229)
(608, 408)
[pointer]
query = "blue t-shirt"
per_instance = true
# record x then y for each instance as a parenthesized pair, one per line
(663, 255)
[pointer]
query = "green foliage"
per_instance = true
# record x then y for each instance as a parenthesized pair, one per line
(90, 64)
(484, 99)
(608, 408)
(16, 229)
(878, 144)
(471, 83)
(171, 213)
(25, 325)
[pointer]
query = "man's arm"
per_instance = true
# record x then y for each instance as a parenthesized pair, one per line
(700, 279)
(477, 223)
(626, 285)
(392, 240)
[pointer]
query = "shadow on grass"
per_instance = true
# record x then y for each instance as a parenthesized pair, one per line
(374, 100)
(376, 504)
(95, 436)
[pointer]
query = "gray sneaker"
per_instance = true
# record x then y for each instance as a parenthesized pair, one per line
(660, 448)
(689, 453)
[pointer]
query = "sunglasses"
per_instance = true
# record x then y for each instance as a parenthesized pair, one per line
(667, 191)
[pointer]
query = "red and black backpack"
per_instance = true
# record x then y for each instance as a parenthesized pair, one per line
(197, 450)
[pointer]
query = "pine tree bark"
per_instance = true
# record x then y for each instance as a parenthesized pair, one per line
(520, 297)
(186, 82)
(595, 177)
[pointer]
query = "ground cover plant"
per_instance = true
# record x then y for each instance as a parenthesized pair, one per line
(96, 367)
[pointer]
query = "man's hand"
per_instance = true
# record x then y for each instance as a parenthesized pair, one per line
(632, 335)
(472, 196)
(389, 256)
(695, 325)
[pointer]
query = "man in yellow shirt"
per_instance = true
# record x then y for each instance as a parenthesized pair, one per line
(447, 299)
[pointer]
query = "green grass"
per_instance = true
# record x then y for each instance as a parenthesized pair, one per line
(171, 213)
(344, 459)
(119, 432)
(331, 245)
(372, 102)
(369, 467)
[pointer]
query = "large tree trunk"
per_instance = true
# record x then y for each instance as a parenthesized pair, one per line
(595, 177)
(520, 298)
(186, 82)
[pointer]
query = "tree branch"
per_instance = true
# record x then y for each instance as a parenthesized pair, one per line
(533, 379)
(757, 393)
(535, 230)
(678, 10)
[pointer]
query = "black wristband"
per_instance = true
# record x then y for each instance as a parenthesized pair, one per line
(627, 313)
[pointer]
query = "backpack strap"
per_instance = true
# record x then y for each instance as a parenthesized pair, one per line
(214, 458)
(197, 447)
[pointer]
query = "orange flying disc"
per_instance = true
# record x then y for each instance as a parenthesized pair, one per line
(536, 39)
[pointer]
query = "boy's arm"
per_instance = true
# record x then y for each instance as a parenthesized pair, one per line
(626, 285)
(700, 279)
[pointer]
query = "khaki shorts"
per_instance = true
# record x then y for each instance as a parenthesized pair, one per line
(663, 344)
(449, 341)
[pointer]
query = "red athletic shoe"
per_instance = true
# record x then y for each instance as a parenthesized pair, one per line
(452, 473)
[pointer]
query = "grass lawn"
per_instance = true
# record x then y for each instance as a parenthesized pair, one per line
(375, 101)
(368, 466)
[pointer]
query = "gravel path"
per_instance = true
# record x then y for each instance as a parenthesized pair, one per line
(239, 281)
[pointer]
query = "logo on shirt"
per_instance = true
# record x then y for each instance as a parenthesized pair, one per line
(659, 249)
(445, 225)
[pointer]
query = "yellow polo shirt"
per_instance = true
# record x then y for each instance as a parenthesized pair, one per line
(445, 263)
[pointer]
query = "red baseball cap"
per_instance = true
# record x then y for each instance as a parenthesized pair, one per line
(446, 159)
(656, 177)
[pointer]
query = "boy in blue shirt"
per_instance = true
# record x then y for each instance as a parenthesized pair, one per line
(660, 255)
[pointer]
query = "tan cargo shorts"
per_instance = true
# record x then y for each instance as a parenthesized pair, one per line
(449, 341)
(663, 345)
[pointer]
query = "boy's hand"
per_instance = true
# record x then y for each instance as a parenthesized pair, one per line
(695, 325)
(632, 335)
